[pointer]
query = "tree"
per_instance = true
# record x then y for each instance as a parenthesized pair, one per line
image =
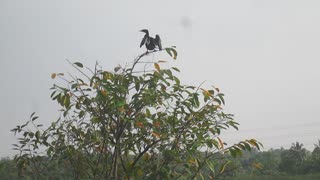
(299, 151)
(8, 170)
(292, 160)
(130, 124)
(260, 163)
(316, 151)
(315, 158)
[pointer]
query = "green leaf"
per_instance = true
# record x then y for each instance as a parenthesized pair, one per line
(32, 114)
(81, 114)
(34, 118)
(168, 50)
(148, 114)
(211, 92)
(223, 167)
(216, 144)
(234, 125)
(66, 101)
(95, 120)
(52, 94)
(116, 69)
(176, 80)
(172, 52)
(120, 103)
(233, 152)
(211, 166)
(78, 105)
(176, 69)
(175, 53)
(57, 97)
(254, 143)
(25, 134)
(217, 100)
(73, 86)
(37, 134)
(241, 146)
(31, 134)
(196, 100)
(78, 64)
(248, 147)
(221, 97)
(209, 143)
(137, 85)
(198, 163)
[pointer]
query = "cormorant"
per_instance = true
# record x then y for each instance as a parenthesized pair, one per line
(150, 42)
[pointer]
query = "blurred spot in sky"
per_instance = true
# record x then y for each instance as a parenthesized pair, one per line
(186, 22)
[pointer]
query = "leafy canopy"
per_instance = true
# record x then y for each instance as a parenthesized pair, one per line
(126, 123)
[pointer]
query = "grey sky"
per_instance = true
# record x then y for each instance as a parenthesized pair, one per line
(264, 55)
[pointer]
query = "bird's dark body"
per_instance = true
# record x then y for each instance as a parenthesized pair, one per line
(150, 42)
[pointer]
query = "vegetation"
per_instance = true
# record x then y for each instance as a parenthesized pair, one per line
(278, 177)
(293, 163)
(130, 124)
(252, 165)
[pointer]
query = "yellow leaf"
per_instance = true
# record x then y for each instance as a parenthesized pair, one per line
(155, 134)
(146, 156)
(107, 75)
(192, 161)
(139, 172)
(206, 92)
(163, 87)
(157, 124)
(162, 61)
(95, 85)
(104, 92)
(257, 165)
(156, 65)
(121, 109)
(139, 124)
(129, 112)
(220, 142)
(53, 75)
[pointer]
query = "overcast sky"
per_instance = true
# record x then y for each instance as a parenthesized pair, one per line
(264, 55)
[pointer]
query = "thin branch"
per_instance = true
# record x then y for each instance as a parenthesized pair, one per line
(78, 69)
(144, 151)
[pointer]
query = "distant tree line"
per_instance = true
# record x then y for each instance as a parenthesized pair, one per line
(293, 161)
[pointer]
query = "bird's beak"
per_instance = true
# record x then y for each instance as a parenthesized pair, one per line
(144, 30)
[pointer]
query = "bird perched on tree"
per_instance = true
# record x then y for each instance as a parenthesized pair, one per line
(150, 42)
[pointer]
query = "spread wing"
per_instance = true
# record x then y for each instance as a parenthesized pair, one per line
(144, 40)
(158, 42)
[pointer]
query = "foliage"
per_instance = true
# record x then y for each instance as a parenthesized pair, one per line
(130, 124)
(293, 159)
(237, 169)
(278, 163)
(315, 158)
(8, 170)
(277, 177)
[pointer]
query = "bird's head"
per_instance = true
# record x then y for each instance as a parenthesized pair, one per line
(145, 31)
